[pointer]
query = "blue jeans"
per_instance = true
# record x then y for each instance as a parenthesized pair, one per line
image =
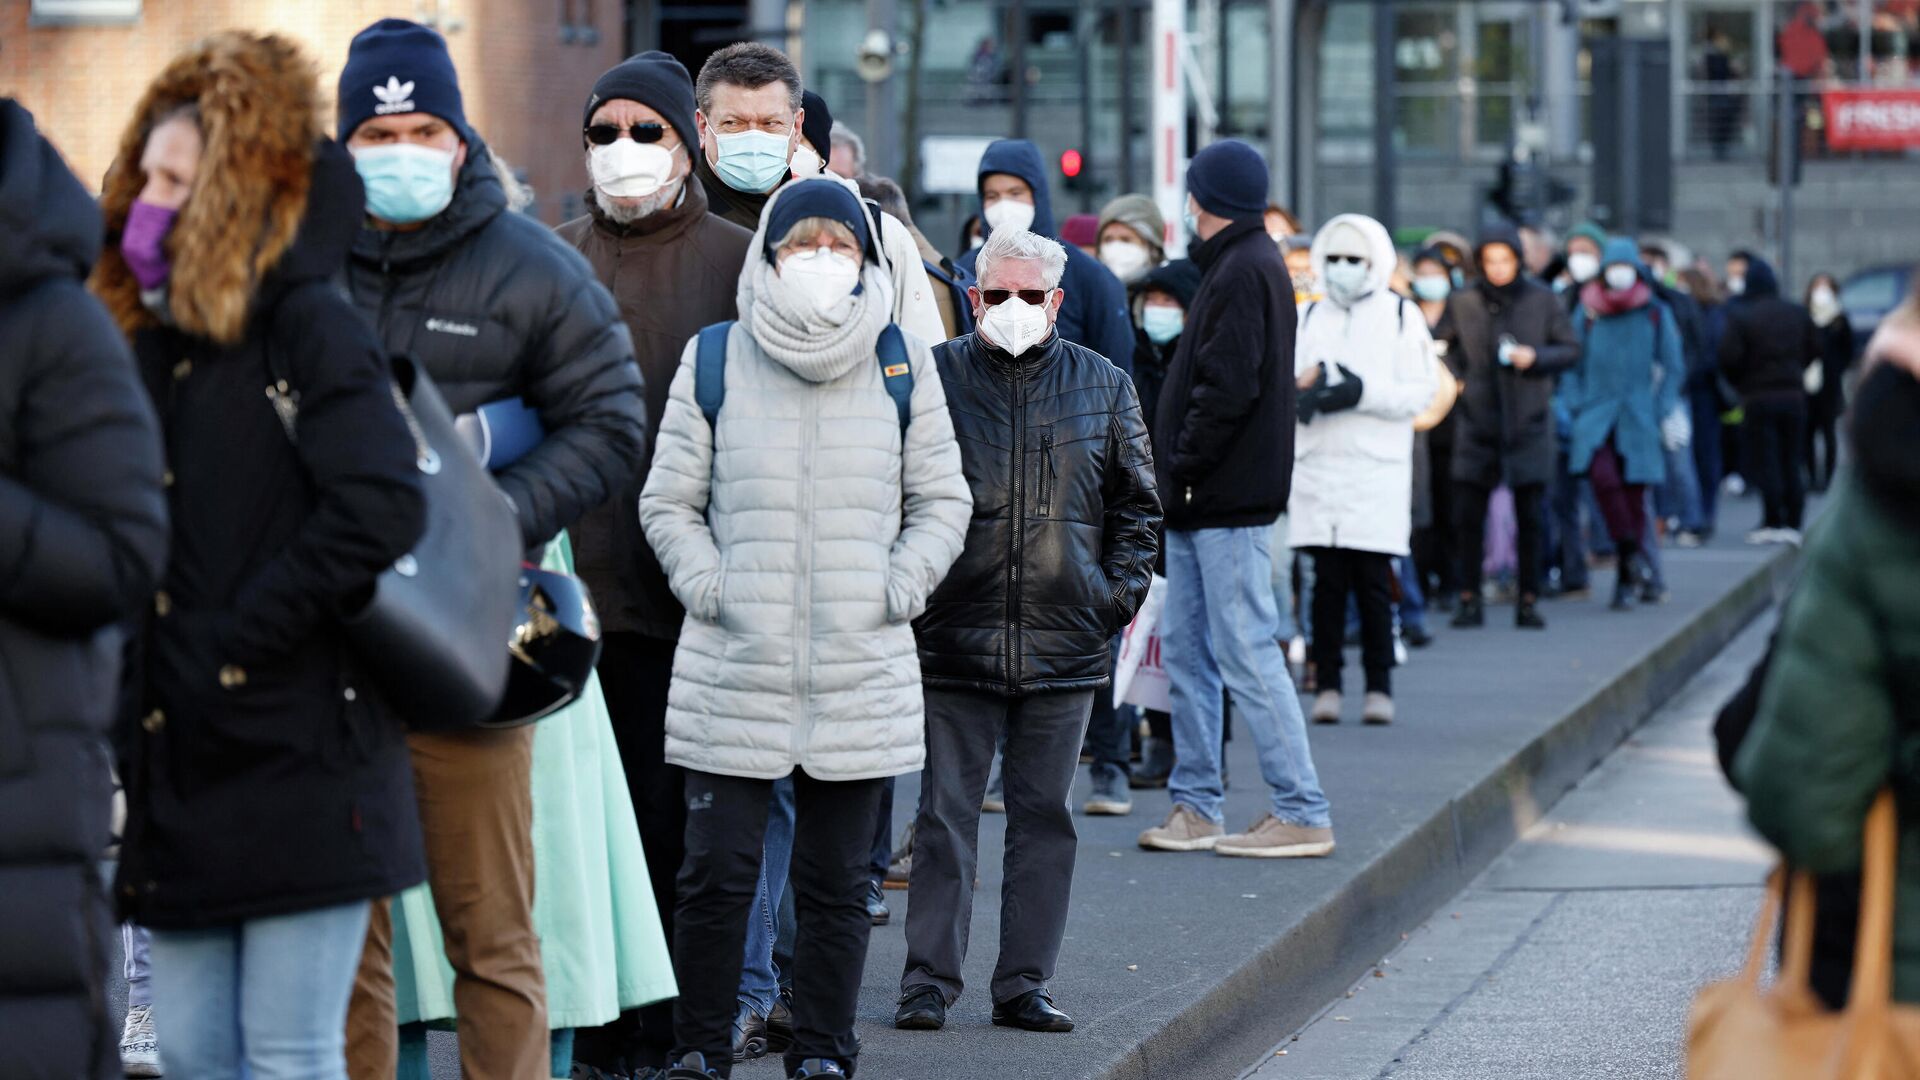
(1706, 451)
(265, 999)
(1110, 731)
(1283, 580)
(136, 965)
(759, 979)
(1679, 497)
(1413, 602)
(1221, 628)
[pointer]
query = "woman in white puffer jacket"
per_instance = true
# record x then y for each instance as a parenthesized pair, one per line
(803, 530)
(1365, 366)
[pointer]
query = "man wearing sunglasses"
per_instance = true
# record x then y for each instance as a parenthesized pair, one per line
(1057, 558)
(673, 267)
(1223, 440)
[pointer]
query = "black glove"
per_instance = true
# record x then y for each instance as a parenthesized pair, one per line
(1341, 396)
(1307, 402)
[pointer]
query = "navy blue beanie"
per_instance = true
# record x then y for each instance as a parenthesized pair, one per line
(656, 80)
(817, 125)
(818, 197)
(396, 66)
(1229, 180)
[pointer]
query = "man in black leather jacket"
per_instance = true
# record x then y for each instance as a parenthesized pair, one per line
(1058, 557)
(494, 306)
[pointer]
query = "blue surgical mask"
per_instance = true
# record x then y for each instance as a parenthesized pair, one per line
(1162, 324)
(1192, 222)
(1432, 288)
(406, 183)
(753, 162)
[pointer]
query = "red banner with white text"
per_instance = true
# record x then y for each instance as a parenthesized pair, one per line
(1872, 119)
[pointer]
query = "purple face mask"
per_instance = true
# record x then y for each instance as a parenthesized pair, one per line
(143, 241)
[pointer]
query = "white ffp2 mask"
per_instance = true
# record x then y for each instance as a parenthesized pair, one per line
(1010, 214)
(625, 169)
(824, 276)
(1015, 326)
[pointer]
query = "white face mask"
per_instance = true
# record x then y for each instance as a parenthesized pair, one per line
(1015, 326)
(1010, 214)
(1583, 266)
(976, 242)
(822, 275)
(1125, 258)
(624, 169)
(806, 163)
(1736, 285)
(1825, 305)
(1620, 277)
(1345, 280)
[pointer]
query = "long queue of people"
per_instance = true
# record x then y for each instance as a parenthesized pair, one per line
(848, 509)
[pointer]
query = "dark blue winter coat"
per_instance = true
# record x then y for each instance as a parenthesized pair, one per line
(1094, 313)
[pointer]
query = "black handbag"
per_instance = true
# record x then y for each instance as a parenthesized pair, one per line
(434, 633)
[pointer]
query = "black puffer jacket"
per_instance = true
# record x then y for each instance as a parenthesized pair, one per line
(1065, 520)
(82, 539)
(1769, 340)
(267, 774)
(1223, 430)
(496, 306)
(1504, 430)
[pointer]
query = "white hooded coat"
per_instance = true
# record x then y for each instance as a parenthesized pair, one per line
(803, 533)
(1353, 470)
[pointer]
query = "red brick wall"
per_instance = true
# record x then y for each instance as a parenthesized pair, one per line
(524, 89)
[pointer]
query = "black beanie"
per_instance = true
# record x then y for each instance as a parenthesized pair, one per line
(818, 197)
(1229, 180)
(396, 66)
(817, 125)
(656, 80)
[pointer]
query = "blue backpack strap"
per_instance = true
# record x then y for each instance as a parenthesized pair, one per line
(896, 372)
(710, 370)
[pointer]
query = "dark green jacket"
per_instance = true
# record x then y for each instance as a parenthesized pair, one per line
(1840, 716)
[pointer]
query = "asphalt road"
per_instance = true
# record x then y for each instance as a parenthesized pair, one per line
(1577, 953)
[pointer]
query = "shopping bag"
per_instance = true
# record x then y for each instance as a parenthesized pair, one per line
(1139, 678)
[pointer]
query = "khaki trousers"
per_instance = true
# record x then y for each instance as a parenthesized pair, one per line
(476, 811)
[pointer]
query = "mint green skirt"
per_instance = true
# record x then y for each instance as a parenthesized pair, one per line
(600, 937)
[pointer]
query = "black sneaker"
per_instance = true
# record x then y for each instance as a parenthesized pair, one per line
(817, 1067)
(1471, 614)
(923, 1010)
(780, 1022)
(1416, 637)
(749, 1034)
(692, 1067)
(1526, 616)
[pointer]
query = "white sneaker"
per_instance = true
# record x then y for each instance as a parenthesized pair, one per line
(1762, 537)
(1736, 485)
(139, 1048)
(1326, 707)
(1399, 650)
(1790, 537)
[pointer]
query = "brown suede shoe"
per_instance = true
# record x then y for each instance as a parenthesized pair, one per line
(1184, 830)
(1271, 838)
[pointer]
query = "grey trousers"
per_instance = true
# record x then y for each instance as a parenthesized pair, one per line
(1044, 733)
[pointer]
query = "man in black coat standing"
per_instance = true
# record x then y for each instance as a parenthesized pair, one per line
(495, 307)
(83, 536)
(1224, 439)
(1768, 344)
(1058, 557)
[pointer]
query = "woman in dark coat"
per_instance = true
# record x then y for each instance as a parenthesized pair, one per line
(1507, 337)
(82, 538)
(1825, 404)
(268, 788)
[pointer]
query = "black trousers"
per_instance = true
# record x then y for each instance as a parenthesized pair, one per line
(1368, 575)
(1823, 430)
(635, 673)
(832, 843)
(1470, 523)
(1776, 437)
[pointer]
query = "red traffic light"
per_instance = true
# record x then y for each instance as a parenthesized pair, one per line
(1070, 163)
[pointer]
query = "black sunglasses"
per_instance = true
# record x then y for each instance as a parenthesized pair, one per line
(1357, 260)
(605, 134)
(996, 297)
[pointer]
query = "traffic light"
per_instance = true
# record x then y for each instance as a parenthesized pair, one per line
(1073, 167)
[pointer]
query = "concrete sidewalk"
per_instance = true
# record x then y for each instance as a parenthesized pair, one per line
(1193, 965)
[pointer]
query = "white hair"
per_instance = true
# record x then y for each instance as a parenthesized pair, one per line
(1007, 244)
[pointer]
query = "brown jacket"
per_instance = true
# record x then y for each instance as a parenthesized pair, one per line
(671, 274)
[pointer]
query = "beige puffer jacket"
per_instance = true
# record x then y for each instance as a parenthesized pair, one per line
(803, 537)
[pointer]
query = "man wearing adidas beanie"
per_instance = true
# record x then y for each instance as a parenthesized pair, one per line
(494, 306)
(1223, 446)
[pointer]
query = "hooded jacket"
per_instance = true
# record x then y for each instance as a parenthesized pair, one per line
(82, 541)
(1769, 340)
(495, 306)
(915, 307)
(803, 531)
(1503, 429)
(1093, 314)
(671, 273)
(1353, 469)
(1181, 280)
(1065, 520)
(267, 774)
(1223, 428)
(1630, 375)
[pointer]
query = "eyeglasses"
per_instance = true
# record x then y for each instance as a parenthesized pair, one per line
(1034, 297)
(605, 134)
(1357, 260)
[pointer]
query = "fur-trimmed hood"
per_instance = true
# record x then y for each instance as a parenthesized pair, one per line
(258, 99)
